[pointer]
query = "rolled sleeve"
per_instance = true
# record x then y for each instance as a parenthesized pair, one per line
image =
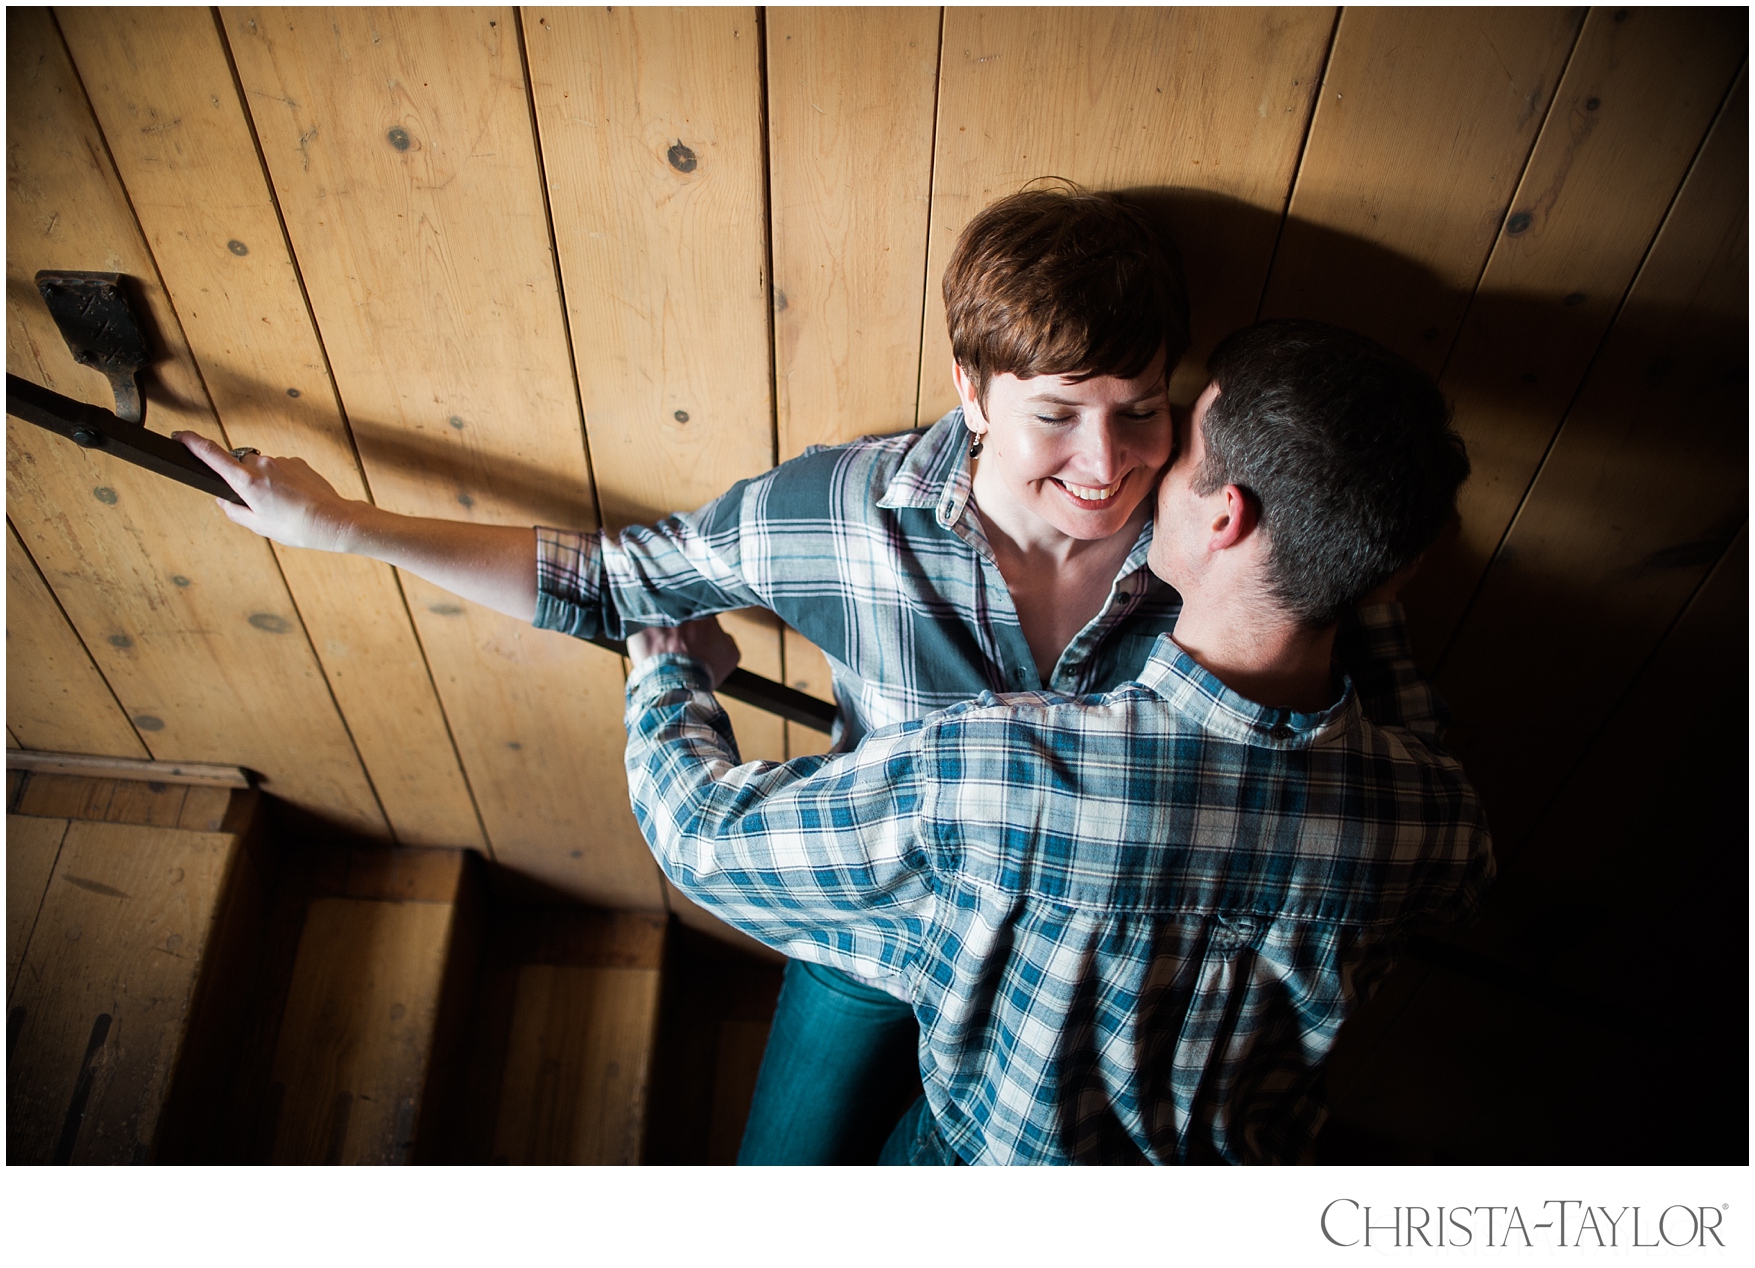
(569, 582)
(818, 857)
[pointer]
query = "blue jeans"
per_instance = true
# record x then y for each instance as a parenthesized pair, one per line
(916, 1143)
(840, 1068)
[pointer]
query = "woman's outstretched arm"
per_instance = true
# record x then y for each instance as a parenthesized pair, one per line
(286, 501)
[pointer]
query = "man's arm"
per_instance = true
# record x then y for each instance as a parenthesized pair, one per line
(819, 857)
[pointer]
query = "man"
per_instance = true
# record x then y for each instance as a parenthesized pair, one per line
(1130, 925)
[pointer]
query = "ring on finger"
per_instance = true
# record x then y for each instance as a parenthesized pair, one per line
(244, 452)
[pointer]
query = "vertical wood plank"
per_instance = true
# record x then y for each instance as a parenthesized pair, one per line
(1638, 96)
(1425, 120)
(31, 847)
(355, 1042)
(538, 720)
(650, 124)
(1204, 108)
(163, 91)
(400, 146)
(577, 1065)
(1644, 489)
(761, 736)
(851, 99)
(67, 796)
(1617, 840)
(106, 986)
(193, 628)
(737, 1060)
(153, 803)
(204, 809)
(807, 670)
(651, 141)
(55, 698)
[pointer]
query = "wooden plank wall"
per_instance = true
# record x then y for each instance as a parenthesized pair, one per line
(589, 266)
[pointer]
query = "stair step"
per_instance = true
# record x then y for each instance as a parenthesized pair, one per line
(383, 970)
(566, 1018)
(110, 922)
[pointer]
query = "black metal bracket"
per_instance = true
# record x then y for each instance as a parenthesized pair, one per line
(93, 428)
(92, 313)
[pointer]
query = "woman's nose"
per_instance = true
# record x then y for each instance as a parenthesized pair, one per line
(1100, 450)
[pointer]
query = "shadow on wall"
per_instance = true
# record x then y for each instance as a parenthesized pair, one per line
(1227, 247)
(1680, 429)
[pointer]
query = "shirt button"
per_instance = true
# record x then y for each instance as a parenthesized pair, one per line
(1281, 732)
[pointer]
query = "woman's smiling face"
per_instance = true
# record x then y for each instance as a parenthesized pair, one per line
(1081, 457)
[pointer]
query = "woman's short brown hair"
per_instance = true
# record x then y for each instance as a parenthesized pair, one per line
(1058, 280)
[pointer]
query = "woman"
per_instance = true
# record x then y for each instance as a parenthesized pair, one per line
(1003, 548)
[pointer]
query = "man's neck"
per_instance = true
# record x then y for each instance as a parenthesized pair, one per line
(1259, 653)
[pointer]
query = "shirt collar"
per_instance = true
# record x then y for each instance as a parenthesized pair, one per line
(935, 472)
(1196, 694)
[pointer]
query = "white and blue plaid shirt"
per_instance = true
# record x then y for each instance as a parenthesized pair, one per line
(1130, 924)
(872, 551)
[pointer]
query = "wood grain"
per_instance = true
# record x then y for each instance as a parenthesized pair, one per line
(55, 697)
(541, 714)
(199, 773)
(153, 804)
(1638, 96)
(807, 670)
(651, 141)
(193, 629)
(67, 797)
(430, 274)
(852, 94)
(163, 91)
(1426, 119)
(31, 847)
(761, 736)
(737, 1060)
(1617, 842)
(577, 1066)
(356, 1039)
(205, 809)
(1204, 108)
(121, 935)
(1644, 489)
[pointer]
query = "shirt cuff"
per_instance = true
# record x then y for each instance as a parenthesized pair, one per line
(568, 581)
(667, 671)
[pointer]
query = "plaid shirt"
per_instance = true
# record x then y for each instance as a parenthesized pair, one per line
(873, 552)
(1130, 924)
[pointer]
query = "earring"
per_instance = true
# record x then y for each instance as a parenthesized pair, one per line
(975, 444)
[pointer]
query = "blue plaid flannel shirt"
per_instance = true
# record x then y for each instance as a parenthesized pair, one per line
(1130, 924)
(873, 552)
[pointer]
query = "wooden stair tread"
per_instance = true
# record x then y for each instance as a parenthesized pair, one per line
(103, 995)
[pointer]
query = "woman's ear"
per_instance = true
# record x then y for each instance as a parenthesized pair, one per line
(972, 411)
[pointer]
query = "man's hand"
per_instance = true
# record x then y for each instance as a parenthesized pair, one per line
(704, 640)
(285, 500)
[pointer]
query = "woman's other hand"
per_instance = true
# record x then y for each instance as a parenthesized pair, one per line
(284, 499)
(705, 640)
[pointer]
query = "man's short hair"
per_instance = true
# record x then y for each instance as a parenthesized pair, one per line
(1346, 449)
(1058, 280)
